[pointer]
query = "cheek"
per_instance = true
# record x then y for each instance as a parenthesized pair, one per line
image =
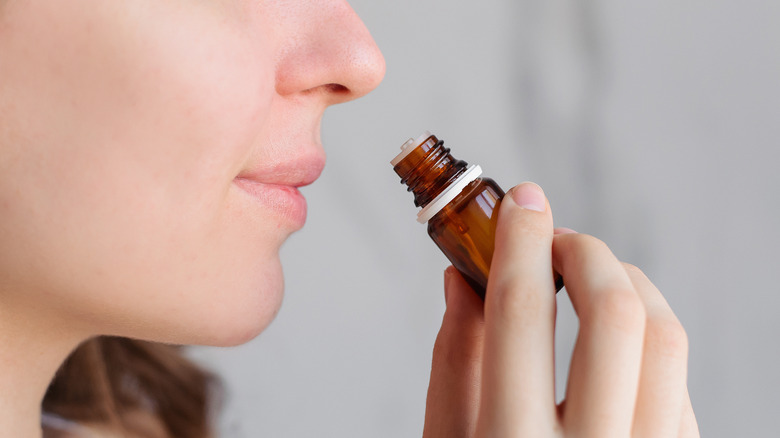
(126, 170)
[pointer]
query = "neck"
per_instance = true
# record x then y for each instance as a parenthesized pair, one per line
(32, 347)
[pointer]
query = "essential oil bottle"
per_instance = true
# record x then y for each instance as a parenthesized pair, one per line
(460, 206)
(458, 203)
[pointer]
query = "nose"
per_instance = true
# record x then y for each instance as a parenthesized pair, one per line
(328, 50)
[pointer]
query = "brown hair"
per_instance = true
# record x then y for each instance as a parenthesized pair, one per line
(134, 388)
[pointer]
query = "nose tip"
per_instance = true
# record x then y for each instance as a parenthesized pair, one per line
(335, 54)
(367, 68)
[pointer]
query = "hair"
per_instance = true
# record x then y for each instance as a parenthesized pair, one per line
(131, 387)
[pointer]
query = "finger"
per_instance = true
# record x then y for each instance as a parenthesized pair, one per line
(664, 364)
(556, 276)
(518, 385)
(453, 394)
(688, 426)
(605, 366)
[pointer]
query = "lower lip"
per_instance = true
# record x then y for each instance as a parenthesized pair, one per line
(286, 201)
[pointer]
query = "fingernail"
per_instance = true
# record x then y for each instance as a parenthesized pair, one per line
(564, 230)
(529, 196)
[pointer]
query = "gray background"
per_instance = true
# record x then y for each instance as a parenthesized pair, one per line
(652, 125)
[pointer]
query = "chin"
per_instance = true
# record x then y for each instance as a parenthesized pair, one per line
(238, 314)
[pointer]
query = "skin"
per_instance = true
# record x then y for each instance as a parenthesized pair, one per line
(132, 135)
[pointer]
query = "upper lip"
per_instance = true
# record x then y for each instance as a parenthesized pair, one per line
(297, 172)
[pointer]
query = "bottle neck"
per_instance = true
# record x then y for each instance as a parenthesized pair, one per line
(428, 170)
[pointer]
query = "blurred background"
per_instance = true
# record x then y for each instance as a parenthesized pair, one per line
(652, 125)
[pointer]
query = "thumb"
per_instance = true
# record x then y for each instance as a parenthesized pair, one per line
(453, 394)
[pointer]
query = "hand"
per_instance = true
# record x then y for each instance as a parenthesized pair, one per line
(493, 368)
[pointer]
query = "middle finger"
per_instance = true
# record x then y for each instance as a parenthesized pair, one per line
(605, 366)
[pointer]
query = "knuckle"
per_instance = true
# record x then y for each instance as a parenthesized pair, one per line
(633, 271)
(439, 349)
(443, 353)
(576, 248)
(619, 309)
(588, 243)
(667, 336)
(631, 268)
(448, 358)
(518, 304)
(454, 349)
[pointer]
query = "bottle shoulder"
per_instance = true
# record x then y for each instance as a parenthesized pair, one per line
(483, 191)
(479, 187)
(491, 183)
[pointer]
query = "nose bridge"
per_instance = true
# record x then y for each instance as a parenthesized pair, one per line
(327, 45)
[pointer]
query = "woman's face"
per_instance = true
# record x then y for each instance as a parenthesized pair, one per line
(150, 150)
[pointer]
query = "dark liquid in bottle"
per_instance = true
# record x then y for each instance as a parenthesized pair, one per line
(465, 230)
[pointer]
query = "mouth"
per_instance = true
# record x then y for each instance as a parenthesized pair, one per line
(285, 201)
(274, 186)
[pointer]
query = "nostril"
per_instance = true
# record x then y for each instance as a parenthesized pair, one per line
(337, 88)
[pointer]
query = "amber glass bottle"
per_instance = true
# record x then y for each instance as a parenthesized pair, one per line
(460, 206)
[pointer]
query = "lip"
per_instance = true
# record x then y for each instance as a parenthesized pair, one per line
(286, 201)
(275, 185)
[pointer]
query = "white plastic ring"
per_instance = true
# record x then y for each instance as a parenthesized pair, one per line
(472, 172)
